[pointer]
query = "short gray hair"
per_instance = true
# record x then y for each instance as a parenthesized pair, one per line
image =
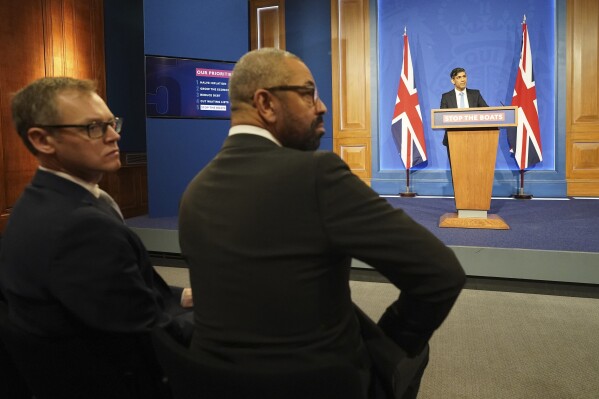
(35, 104)
(256, 70)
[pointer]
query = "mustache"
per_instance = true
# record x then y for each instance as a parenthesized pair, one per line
(319, 119)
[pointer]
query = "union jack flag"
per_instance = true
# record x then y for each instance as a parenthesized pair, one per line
(525, 140)
(406, 126)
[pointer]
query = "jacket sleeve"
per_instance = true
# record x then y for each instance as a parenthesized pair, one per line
(444, 103)
(481, 101)
(362, 225)
(99, 273)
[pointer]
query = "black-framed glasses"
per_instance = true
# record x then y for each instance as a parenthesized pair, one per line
(309, 91)
(95, 130)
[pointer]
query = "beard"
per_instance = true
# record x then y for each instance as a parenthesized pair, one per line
(307, 139)
(312, 139)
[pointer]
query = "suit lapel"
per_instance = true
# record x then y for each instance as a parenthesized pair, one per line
(471, 98)
(451, 101)
(72, 190)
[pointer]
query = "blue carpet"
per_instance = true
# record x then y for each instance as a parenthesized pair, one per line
(562, 225)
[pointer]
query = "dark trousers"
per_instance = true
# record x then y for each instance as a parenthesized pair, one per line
(395, 374)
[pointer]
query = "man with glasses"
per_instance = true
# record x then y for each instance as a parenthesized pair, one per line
(269, 228)
(69, 266)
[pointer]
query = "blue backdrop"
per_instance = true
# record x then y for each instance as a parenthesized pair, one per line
(482, 36)
(219, 30)
(178, 148)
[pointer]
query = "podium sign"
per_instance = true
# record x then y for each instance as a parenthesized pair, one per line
(473, 135)
(491, 117)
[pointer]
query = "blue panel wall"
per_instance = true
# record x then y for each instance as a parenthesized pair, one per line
(483, 36)
(308, 28)
(178, 148)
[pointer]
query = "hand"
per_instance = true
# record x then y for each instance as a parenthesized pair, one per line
(187, 298)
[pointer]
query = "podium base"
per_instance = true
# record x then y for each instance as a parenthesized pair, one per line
(493, 222)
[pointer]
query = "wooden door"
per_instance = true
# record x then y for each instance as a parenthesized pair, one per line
(267, 24)
(350, 52)
(582, 98)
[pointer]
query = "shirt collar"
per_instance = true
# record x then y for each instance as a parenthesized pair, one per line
(255, 130)
(457, 92)
(92, 188)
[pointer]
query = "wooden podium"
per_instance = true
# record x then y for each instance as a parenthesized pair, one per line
(473, 135)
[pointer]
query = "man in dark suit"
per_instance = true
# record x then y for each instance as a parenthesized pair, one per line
(69, 266)
(269, 228)
(460, 97)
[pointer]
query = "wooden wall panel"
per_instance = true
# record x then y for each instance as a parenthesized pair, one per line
(356, 153)
(267, 24)
(129, 188)
(42, 38)
(351, 83)
(22, 49)
(75, 40)
(582, 111)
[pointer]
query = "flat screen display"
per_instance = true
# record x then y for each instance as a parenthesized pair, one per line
(187, 88)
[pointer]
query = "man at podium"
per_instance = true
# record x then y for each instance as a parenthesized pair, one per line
(460, 97)
(472, 133)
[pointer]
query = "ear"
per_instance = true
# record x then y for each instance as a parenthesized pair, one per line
(266, 106)
(41, 140)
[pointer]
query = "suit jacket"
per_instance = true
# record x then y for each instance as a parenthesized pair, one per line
(448, 100)
(70, 266)
(269, 233)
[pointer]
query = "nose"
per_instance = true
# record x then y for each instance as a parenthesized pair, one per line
(320, 107)
(111, 134)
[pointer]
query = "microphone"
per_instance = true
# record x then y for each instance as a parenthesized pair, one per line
(502, 104)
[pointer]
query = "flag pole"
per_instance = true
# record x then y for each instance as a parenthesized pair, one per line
(521, 194)
(407, 193)
(406, 127)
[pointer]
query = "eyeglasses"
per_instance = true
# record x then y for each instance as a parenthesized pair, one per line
(95, 130)
(309, 91)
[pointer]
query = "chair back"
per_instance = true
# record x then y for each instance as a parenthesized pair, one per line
(191, 377)
(106, 366)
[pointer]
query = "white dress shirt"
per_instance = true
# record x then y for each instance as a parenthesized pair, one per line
(255, 130)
